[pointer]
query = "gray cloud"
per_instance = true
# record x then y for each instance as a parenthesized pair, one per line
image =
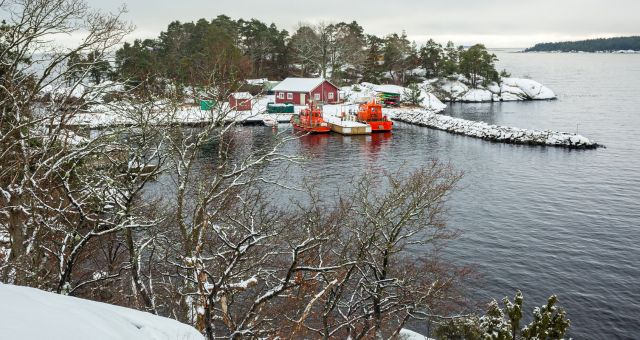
(497, 23)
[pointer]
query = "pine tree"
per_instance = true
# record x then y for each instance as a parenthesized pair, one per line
(477, 64)
(549, 322)
(450, 60)
(413, 95)
(432, 57)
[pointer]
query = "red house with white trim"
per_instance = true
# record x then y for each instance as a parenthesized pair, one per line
(301, 91)
(240, 101)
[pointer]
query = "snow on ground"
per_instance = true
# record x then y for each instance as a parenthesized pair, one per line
(407, 334)
(100, 116)
(357, 93)
(364, 92)
(510, 89)
(29, 313)
(491, 132)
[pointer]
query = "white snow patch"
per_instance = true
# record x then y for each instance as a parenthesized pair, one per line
(29, 313)
(407, 334)
(477, 95)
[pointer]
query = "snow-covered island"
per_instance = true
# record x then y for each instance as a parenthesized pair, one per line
(29, 313)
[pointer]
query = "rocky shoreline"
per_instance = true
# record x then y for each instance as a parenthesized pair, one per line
(494, 133)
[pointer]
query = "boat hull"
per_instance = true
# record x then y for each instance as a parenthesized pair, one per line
(381, 126)
(310, 129)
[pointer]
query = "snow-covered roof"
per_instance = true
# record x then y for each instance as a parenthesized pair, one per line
(242, 95)
(389, 89)
(29, 313)
(260, 81)
(299, 84)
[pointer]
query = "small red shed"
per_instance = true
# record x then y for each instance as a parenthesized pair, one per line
(240, 101)
(301, 91)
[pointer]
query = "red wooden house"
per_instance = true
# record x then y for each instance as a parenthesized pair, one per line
(301, 91)
(240, 101)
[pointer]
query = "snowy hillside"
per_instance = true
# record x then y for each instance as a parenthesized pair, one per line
(364, 92)
(28, 313)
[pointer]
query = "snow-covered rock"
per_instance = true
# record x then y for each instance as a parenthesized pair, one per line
(491, 132)
(509, 89)
(531, 88)
(29, 313)
(477, 95)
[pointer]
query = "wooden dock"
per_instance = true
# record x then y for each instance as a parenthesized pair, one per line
(350, 128)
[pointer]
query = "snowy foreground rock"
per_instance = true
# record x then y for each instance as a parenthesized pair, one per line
(491, 132)
(406, 334)
(29, 313)
(510, 89)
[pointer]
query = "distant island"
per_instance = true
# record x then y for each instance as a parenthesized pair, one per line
(619, 44)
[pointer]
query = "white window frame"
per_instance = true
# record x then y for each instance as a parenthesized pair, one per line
(316, 96)
(280, 95)
(289, 96)
(330, 95)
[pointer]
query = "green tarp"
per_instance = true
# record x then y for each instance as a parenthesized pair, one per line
(279, 108)
(207, 104)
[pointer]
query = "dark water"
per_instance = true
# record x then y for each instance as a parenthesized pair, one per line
(554, 221)
(539, 219)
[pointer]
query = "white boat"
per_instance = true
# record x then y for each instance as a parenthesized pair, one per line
(269, 121)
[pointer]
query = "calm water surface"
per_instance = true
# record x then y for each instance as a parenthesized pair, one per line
(540, 219)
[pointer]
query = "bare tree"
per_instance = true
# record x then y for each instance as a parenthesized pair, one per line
(41, 174)
(80, 211)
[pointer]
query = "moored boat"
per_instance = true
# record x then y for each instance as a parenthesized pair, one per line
(269, 121)
(371, 113)
(310, 120)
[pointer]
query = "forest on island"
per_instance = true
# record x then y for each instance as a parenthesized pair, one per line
(590, 45)
(190, 53)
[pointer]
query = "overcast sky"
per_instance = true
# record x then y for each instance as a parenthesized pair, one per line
(497, 23)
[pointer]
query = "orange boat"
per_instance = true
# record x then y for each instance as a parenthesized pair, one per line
(371, 113)
(310, 120)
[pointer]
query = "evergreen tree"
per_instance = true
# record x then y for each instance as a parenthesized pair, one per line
(450, 60)
(413, 95)
(549, 323)
(396, 52)
(478, 64)
(374, 61)
(100, 68)
(348, 59)
(431, 56)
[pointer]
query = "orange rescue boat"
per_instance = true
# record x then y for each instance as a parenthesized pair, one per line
(371, 113)
(310, 120)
